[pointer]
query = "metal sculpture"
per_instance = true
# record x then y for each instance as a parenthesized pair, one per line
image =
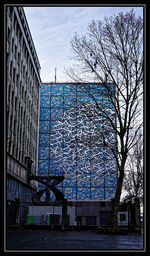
(46, 181)
(58, 194)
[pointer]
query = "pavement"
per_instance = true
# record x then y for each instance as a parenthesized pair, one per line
(71, 240)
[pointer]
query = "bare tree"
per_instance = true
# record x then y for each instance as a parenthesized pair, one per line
(133, 181)
(112, 53)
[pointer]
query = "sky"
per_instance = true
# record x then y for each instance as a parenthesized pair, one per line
(52, 29)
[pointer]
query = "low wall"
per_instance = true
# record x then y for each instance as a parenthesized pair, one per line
(39, 214)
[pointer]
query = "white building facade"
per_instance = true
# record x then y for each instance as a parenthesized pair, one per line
(23, 84)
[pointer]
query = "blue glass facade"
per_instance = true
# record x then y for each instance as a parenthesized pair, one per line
(69, 141)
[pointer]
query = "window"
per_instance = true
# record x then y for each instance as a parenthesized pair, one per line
(15, 52)
(10, 12)
(22, 66)
(7, 116)
(13, 150)
(13, 44)
(9, 146)
(22, 158)
(24, 71)
(18, 58)
(22, 92)
(14, 127)
(12, 99)
(15, 104)
(21, 112)
(9, 35)
(122, 217)
(18, 131)
(11, 123)
(11, 68)
(9, 92)
(19, 160)
(17, 81)
(19, 35)
(24, 117)
(20, 136)
(14, 73)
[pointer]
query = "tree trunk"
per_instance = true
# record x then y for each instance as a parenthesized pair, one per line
(113, 223)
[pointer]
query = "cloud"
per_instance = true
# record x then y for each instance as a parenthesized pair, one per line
(52, 29)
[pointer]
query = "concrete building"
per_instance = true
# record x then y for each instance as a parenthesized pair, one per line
(23, 84)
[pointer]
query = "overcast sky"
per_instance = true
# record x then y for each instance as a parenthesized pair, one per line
(52, 29)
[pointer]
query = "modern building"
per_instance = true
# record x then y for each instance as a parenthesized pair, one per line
(70, 143)
(23, 84)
